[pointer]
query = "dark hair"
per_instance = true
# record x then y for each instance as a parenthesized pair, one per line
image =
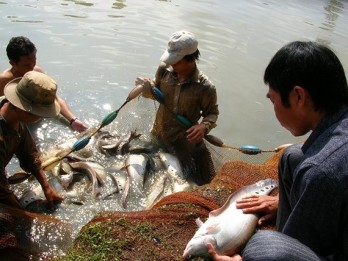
(19, 46)
(312, 66)
(193, 56)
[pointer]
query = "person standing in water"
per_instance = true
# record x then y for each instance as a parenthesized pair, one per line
(189, 93)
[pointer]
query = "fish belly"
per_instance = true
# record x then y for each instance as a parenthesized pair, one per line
(232, 238)
(228, 226)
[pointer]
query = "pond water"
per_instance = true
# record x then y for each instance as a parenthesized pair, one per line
(96, 49)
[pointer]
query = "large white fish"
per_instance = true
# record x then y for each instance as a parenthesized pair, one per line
(171, 164)
(92, 174)
(36, 194)
(137, 166)
(228, 228)
(169, 179)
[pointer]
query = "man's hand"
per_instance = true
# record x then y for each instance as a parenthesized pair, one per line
(52, 197)
(77, 125)
(260, 204)
(216, 257)
(141, 81)
(196, 133)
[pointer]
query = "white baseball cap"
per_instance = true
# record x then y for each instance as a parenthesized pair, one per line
(180, 43)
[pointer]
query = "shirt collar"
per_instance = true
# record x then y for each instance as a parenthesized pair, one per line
(194, 77)
(324, 124)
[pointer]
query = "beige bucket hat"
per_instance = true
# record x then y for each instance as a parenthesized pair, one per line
(180, 44)
(35, 92)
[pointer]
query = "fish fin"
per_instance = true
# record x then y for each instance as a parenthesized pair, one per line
(214, 212)
(18, 177)
(199, 222)
(135, 134)
(233, 197)
(125, 167)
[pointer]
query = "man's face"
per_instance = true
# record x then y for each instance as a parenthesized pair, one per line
(292, 118)
(182, 66)
(30, 118)
(25, 64)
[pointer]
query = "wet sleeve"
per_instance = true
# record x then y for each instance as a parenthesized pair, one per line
(148, 88)
(210, 109)
(28, 154)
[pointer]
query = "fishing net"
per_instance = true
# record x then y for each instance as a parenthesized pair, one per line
(162, 232)
(140, 113)
(17, 225)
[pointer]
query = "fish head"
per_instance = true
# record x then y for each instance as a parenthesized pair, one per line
(65, 180)
(29, 197)
(197, 247)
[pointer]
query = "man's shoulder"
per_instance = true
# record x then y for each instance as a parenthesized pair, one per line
(5, 77)
(39, 69)
(204, 80)
(7, 74)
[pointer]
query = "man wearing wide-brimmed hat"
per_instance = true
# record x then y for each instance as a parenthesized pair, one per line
(186, 93)
(28, 99)
(21, 53)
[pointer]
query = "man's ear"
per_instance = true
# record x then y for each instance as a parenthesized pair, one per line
(300, 95)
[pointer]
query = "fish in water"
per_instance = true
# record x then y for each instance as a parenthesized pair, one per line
(169, 178)
(92, 174)
(171, 164)
(227, 228)
(34, 200)
(119, 147)
(138, 167)
(19, 176)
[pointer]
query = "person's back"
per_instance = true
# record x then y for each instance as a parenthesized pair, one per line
(318, 196)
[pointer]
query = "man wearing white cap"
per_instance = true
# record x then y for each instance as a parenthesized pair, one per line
(27, 99)
(187, 92)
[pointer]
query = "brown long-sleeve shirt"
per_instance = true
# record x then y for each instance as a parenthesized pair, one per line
(20, 144)
(194, 99)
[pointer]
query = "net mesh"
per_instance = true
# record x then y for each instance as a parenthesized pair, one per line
(162, 232)
(140, 113)
(173, 215)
